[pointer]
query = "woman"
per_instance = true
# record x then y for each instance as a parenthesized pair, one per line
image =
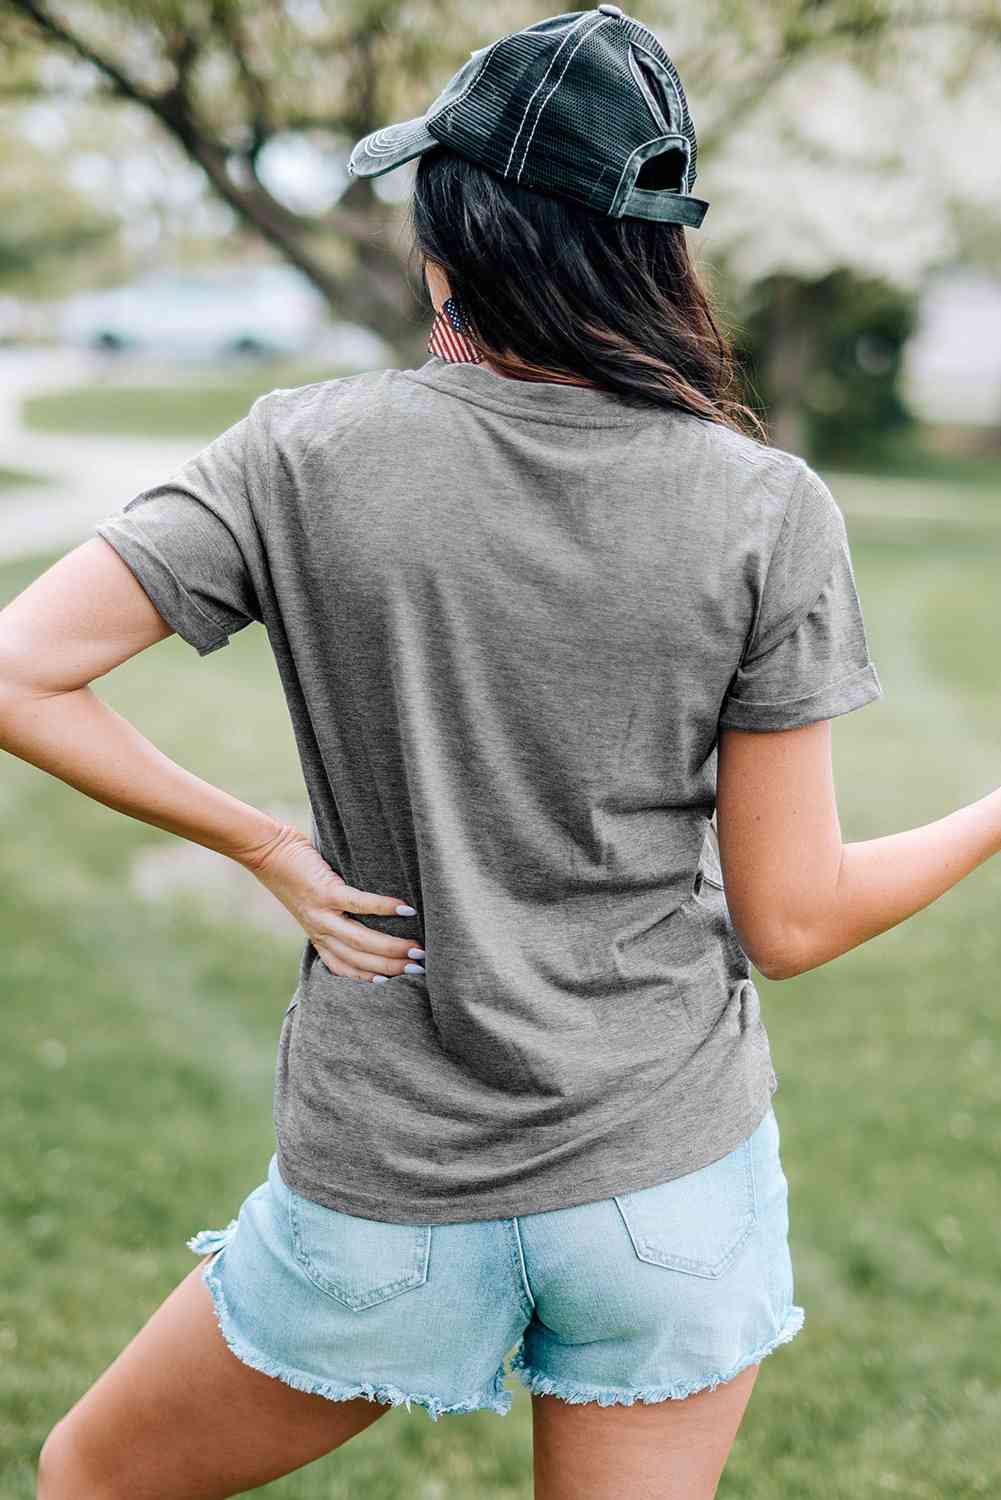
(540, 606)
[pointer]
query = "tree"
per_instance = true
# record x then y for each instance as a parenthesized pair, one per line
(45, 224)
(862, 173)
(825, 359)
(228, 80)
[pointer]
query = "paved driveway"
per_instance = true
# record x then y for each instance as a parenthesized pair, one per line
(92, 476)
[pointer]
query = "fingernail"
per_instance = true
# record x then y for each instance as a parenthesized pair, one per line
(413, 969)
(416, 953)
(406, 911)
(379, 978)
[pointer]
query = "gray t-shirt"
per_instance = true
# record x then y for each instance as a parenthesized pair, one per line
(509, 618)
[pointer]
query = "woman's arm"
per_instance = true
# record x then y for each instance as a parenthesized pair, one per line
(798, 896)
(78, 620)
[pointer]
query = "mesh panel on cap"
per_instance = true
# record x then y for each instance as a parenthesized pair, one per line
(536, 115)
(577, 114)
(485, 123)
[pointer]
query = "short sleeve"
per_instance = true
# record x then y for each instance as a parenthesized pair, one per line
(807, 657)
(196, 542)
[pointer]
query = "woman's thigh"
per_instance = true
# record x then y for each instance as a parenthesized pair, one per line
(653, 1310)
(177, 1416)
(670, 1450)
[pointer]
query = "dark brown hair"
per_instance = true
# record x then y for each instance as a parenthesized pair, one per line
(551, 285)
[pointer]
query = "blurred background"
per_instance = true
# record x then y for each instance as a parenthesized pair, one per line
(177, 235)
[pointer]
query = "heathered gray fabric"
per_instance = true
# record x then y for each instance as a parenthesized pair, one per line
(509, 619)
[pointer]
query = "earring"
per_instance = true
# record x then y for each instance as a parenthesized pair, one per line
(450, 335)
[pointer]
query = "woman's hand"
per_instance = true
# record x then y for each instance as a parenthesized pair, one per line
(294, 870)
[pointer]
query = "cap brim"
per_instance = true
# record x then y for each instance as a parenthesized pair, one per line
(390, 147)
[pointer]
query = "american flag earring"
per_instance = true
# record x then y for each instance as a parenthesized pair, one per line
(449, 337)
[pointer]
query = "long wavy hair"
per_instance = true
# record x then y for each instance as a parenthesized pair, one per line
(549, 286)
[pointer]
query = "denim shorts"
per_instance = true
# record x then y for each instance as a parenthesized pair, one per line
(643, 1296)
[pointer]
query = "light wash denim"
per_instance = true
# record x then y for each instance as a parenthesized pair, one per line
(643, 1296)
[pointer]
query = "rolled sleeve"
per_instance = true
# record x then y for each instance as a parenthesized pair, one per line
(197, 542)
(808, 658)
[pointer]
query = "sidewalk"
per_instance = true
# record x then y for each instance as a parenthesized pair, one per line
(91, 476)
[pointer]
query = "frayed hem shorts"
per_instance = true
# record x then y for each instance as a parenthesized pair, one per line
(643, 1296)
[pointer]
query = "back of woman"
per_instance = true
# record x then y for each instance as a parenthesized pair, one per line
(539, 606)
(508, 618)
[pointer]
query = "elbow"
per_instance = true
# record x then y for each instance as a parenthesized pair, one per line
(780, 955)
(777, 967)
(9, 698)
(11, 674)
(12, 700)
(18, 683)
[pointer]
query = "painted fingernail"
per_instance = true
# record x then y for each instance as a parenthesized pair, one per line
(416, 953)
(379, 978)
(406, 911)
(413, 969)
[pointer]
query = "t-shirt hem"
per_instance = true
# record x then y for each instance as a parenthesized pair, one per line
(394, 1209)
(851, 692)
(166, 591)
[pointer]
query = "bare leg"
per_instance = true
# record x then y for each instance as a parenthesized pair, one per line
(178, 1417)
(659, 1450)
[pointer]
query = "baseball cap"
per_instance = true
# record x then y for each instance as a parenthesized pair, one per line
(586, 105)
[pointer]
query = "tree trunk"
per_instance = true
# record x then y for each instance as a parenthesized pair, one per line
(788, 364)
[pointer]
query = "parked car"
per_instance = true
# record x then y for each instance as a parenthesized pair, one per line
(262, 311)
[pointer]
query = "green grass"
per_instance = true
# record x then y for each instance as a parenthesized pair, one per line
(135, 1079)
(911, 455)
(202, 402)
(199, 403)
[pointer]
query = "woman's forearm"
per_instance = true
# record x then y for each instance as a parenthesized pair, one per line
(78, 738)
(882, 882)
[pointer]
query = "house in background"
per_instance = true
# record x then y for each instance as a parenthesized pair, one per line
(952, 364)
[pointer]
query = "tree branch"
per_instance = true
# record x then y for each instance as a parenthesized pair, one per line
(800, 41)
(226, 20)
(49, 26)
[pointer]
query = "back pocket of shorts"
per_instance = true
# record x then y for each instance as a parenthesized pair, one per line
(358, 1261)
(696, 1223)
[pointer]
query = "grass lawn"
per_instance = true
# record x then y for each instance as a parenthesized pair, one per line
(910, 455)
(199, 402)
(136, 1075)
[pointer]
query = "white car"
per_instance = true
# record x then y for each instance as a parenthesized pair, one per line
(265, 311)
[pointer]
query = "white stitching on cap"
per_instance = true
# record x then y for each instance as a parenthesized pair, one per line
(552, 63)
(603, 22)
(382, 142)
